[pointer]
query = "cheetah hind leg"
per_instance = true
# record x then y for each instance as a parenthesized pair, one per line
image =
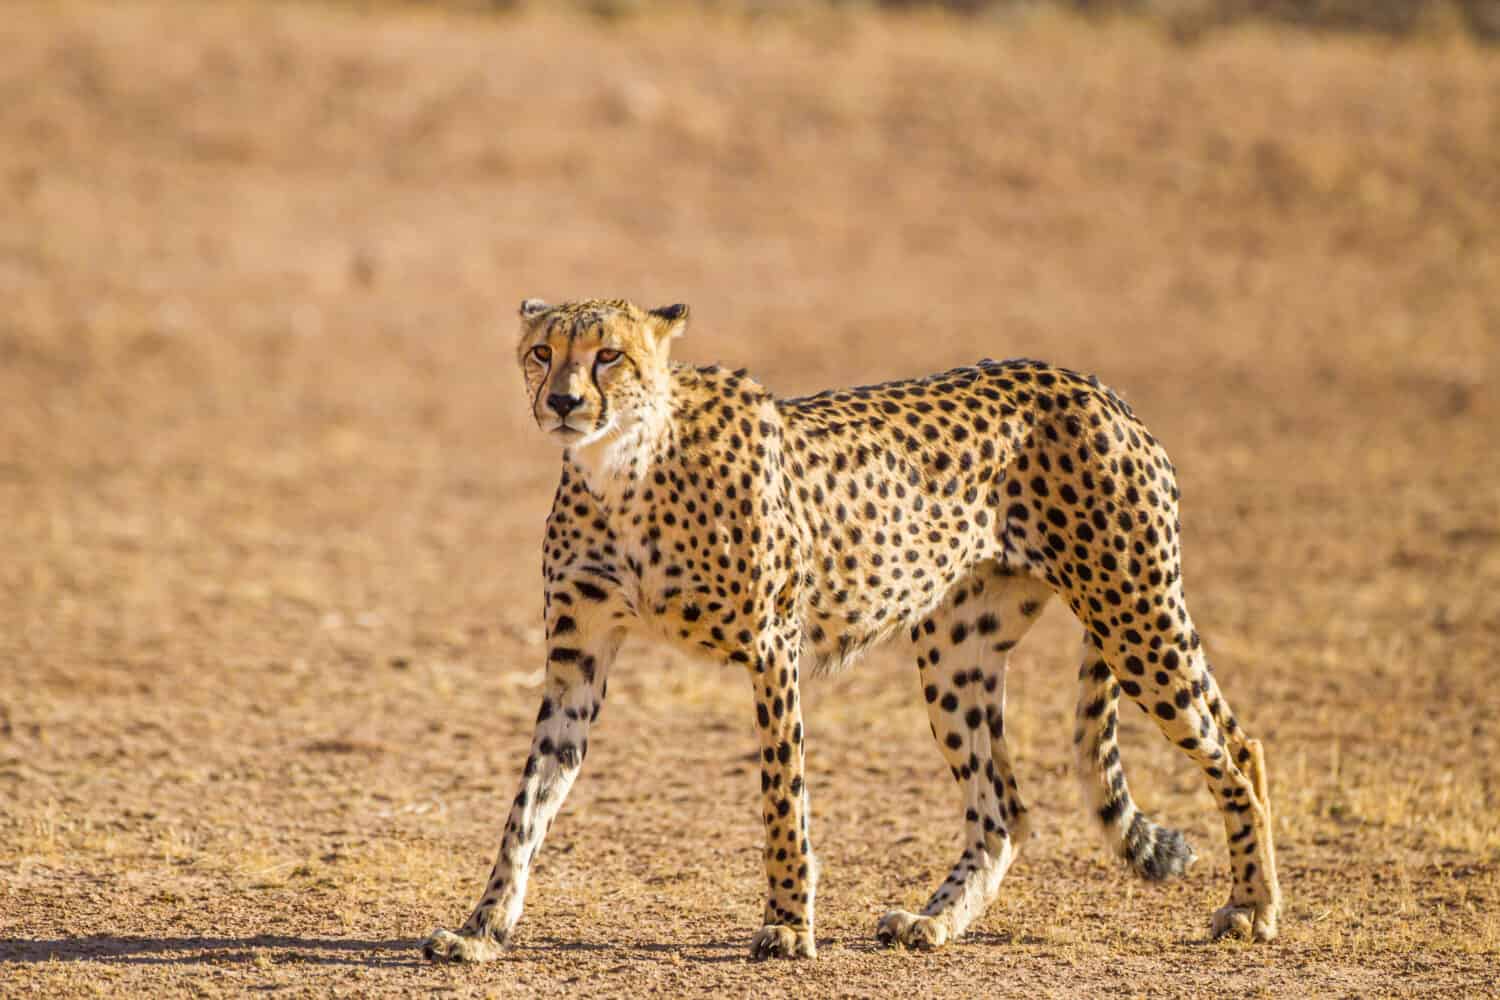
(1177, 698)
(1256, 923)
(962, 650)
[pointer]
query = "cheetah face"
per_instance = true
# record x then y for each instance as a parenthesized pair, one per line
(593, 368)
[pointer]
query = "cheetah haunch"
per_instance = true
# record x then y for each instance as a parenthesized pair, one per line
(787, 536)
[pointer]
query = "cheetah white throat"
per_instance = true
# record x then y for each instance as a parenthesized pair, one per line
(787, 536)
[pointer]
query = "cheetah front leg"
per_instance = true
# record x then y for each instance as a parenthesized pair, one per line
(573, 693)
(791, 868)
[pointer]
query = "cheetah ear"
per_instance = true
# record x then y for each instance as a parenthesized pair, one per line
(668, 322)
(532, 308)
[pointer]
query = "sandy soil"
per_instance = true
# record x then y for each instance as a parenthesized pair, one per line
(271, 504)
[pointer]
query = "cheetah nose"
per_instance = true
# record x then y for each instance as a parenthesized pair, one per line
(563, 405)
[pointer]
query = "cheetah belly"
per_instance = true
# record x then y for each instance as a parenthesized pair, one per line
(890, 580)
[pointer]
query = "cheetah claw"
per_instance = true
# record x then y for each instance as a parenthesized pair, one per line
(446, 946)
(1258, 923)
(910, 931)
(781, 941)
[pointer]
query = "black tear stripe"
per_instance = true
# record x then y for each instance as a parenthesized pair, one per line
(603, 401)
(541, 387)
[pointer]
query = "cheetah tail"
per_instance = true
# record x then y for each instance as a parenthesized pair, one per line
(1152, 851)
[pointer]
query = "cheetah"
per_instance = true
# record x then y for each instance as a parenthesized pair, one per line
(787, 536)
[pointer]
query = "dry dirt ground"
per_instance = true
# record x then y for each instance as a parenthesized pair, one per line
(271, 503)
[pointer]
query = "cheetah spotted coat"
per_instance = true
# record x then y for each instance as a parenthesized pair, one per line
(786, 536)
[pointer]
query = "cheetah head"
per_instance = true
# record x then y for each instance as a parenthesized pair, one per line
(594, 368)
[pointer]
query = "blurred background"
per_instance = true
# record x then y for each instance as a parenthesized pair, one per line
(270, 498)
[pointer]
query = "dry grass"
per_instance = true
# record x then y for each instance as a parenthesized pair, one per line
(268, 620)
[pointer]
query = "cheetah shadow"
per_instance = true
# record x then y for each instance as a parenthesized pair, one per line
(278, 949)
(390, 953)
(672, 952)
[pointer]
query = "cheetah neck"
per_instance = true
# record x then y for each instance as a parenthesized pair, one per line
(615, 462)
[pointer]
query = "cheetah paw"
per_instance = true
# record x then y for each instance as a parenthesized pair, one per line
(1255, 922)
(911, 931)
(781, 941)
(446, 946)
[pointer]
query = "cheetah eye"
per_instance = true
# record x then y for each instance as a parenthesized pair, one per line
(607, 357)
(541, 352)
